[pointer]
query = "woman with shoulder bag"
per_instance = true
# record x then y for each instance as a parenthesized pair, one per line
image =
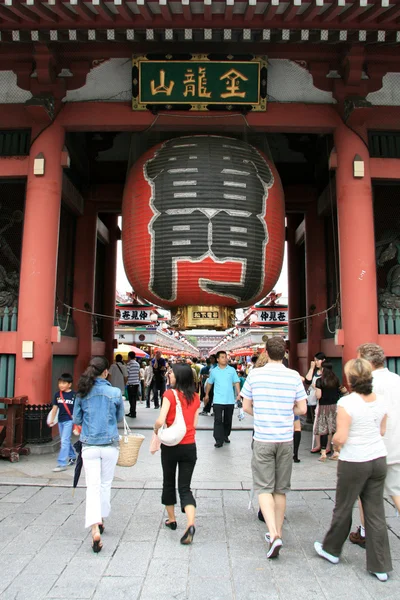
(182, 455)
(98, 408)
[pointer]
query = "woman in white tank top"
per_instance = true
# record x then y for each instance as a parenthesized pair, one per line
(361, 423)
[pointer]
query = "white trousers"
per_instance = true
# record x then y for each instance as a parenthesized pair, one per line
(99, 463)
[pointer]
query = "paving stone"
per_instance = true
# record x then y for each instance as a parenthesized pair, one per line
(20, 494)
(118, 588)
(29, 540)
(131, 559)
(27, 587)
(208, 557)
(252, 579)
(216, 588)
(143, 528)
(6, 489)
(72, 583)
(167, 588)
(53, 558)
(11, 566)
(6, 510)
(208, 494)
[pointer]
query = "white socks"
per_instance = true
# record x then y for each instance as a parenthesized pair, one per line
(362, 530)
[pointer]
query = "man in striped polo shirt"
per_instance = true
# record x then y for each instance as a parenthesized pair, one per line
(274, 395)
(133, 383)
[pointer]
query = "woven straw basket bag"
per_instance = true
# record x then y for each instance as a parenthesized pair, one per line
(129, 446)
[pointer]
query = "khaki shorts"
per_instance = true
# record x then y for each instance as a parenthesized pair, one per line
(392, 482)
(272, 467)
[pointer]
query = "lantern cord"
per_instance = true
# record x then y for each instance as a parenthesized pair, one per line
(113, 317)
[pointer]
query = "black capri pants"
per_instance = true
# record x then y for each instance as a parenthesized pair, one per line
(184, 457)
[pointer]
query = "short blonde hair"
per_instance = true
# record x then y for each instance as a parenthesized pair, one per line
(373, 353)
(359, 375)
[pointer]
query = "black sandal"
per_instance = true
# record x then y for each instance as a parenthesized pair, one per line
(97, 546)
(101, 528)
(171, 524)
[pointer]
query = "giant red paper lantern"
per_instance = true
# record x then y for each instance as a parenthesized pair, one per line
(203, 223)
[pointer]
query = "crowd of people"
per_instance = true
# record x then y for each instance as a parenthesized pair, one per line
(357, 425)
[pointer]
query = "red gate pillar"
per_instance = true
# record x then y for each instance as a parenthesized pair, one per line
(315, 279)
(111, 221)
(359, 305)
(85, 264)
(293, 289)
(39, 267)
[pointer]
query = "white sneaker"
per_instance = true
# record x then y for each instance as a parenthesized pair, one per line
(319, 550)
(274, 548)
(380, 576)
(59, 469)
(267, 537)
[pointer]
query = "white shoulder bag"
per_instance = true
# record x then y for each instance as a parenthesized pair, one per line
(174, 434)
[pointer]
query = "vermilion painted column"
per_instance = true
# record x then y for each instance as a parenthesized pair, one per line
(39, 268)
(293, 288)
(359, 304)
(111, 221)
(84, 275)
(315, 278)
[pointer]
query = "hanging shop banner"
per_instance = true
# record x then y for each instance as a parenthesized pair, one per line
(199, 83)
(134, 314)
(271, 315)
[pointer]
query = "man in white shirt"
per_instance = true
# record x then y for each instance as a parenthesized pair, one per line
(387, 384)
(274, 395)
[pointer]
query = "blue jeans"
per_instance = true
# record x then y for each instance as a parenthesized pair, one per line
(66, 450)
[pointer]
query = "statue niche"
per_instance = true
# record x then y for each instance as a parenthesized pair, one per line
(388, 255)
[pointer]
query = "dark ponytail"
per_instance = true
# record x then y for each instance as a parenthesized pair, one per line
(97, 365)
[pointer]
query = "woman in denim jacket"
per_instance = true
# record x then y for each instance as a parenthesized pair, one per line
(98, 408)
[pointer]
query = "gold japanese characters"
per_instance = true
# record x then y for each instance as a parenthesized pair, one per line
(199, 83)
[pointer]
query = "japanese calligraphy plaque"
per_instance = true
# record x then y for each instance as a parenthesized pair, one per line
(198, 83)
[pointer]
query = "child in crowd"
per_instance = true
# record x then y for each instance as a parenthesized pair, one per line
(63, 401)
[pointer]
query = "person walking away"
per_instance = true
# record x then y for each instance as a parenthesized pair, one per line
(273, 394)
(225, 379)
(159, 370)
(314, 372)
(133, 383)
(361, 423)
(141, 377)
(64, 401)
(327, 391)
(184, 455)
(98, 408)
(209, 403)
(148, 383)
(197, 368)
(118, 375)
(387, 384)
(204, 373)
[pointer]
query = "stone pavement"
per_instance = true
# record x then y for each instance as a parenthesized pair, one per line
(46, 552)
